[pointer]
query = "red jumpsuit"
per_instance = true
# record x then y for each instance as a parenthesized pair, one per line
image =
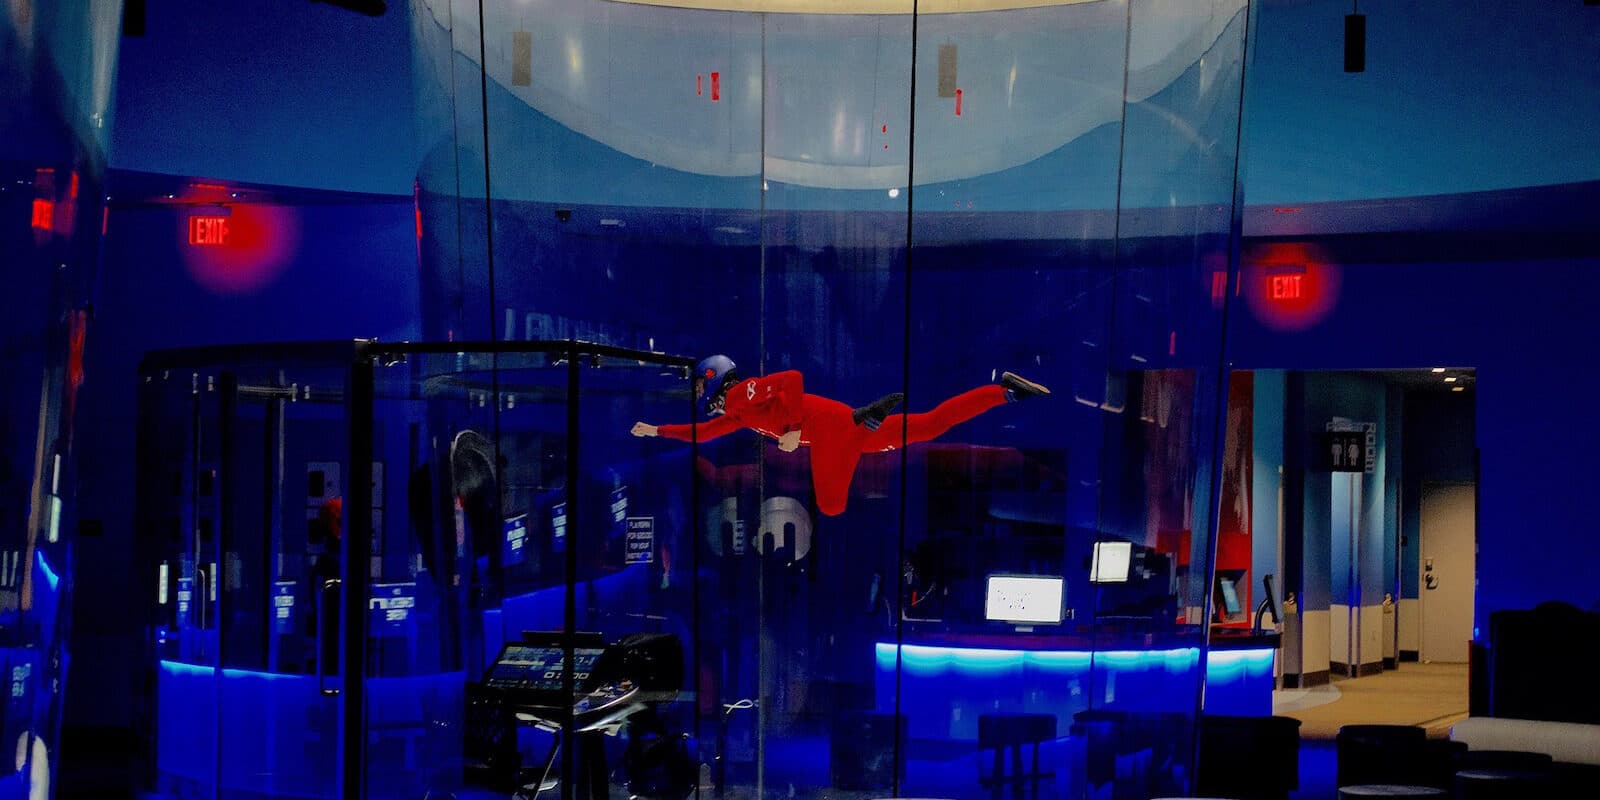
(778, 404)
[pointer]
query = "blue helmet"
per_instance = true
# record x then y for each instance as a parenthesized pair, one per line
(712, 379)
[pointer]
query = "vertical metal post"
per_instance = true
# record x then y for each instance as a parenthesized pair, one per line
(227, 417)
(271, 517)
(355, 565)
(569, 626)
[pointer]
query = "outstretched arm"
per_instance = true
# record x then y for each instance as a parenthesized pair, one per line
(719, 426)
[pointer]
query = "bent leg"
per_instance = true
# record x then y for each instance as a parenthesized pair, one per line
(925, 427)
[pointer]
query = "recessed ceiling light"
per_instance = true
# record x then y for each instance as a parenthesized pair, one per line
(1458, 388)
(1438, 370)
(1451, 379)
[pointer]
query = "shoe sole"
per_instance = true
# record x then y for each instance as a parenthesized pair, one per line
(1023, 382)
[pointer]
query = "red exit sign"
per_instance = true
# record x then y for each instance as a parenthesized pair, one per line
(1286, 287)
(208, 231)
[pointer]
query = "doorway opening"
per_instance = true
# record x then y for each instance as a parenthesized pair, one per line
(1363, 504)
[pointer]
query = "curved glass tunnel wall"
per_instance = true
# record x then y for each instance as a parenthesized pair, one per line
(57, 61)
(1054, 198)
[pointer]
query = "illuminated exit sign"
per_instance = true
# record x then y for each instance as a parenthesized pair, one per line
(1286, 287)
(208, 231)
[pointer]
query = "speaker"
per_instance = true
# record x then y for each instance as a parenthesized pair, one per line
(133, 18)
(947, 70)
(521, 58)
(1355, 43)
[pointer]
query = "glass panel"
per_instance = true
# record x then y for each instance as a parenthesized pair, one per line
(243, 473)
(285, 445)
(57, 62)
(1013, 237)
(177, 513)
(439, 566)
(828, 525)
(481, 438)
(741, 180)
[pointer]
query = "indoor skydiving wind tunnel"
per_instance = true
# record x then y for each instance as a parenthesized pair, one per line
(453, 568)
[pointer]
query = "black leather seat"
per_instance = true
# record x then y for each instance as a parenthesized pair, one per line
(1249, 758)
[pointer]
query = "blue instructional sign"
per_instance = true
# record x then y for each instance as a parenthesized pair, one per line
(389, 606)
(641, 540)
(516, 540)
(558, 528)
(283, 606)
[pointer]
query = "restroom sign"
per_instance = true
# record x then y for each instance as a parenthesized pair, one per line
(1350, 446)
(641, 540)
(1345, 451)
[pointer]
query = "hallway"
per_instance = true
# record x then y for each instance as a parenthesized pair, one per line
(1431, 695)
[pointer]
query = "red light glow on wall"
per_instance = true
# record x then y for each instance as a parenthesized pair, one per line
(958, 102)
(1290, 286)
(245, 254)
(208, 231)
(716, 86)
(44, 214)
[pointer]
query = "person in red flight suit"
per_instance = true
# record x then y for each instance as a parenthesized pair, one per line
(778, 407)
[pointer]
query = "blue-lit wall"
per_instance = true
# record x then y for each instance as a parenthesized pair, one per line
(300, 94)
(1432, 305)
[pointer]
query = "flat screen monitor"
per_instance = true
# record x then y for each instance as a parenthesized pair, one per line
(1230, 597)
(1024, 599)
(1111, 562)
(539, 668)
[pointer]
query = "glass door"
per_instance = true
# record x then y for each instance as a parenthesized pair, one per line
(178, 505)
(245, 493)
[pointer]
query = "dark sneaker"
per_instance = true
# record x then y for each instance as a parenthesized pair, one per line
(1018, 387)
(874, 413)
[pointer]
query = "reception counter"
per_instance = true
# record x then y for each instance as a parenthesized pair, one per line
(949, 680)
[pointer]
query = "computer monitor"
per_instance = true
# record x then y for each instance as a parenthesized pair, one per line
(1111, 562)
(1230, 596)
(1024, 599)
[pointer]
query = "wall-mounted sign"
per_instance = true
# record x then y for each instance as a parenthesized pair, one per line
(208, 231)
(1345, 451)
(390, 606)
(1350, 446)
(283, 606)
(516, 540)
(558, 528)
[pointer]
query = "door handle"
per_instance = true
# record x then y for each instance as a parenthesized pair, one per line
(201, 598)
(322, 629)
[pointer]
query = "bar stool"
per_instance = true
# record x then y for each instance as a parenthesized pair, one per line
(1389, 790)
(1011, 732)
(1383, 755)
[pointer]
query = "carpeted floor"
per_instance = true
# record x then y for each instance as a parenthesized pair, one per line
(1431, 695)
